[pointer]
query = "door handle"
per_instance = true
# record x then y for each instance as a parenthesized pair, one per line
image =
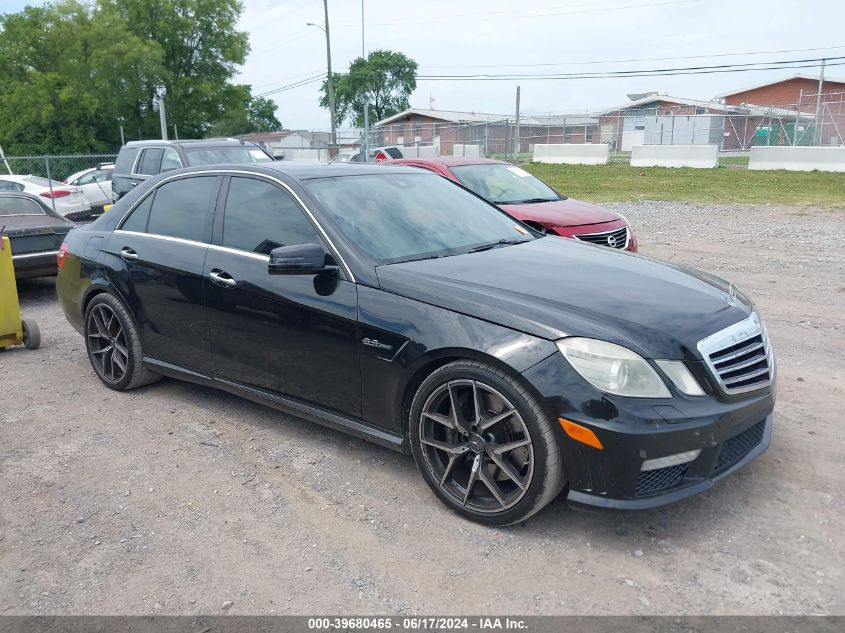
(128, 253)
(222, 278)
(134, 183)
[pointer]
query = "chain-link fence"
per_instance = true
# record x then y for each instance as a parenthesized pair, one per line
(813, 120)
(76, 186)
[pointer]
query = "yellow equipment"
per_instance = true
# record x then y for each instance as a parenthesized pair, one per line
(13, 329)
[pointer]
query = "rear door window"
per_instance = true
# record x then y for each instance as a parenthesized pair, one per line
(180, 207)
(20, 206)
(150, 161)
(125, 160)
(137, 220)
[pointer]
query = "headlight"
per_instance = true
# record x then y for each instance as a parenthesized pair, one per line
(613, 368)
(680, 377)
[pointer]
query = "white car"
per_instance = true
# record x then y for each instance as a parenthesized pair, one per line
(95, 184)
(67, 200)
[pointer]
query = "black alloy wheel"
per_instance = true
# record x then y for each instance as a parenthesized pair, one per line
(114, 346)
(484, 445)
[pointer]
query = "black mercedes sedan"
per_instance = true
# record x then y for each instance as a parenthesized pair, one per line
(35, 233)
(391, 304)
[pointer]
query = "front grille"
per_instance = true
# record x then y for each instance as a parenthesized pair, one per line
(652, 481)
(618, 238)
(739, 356)
(737, 447)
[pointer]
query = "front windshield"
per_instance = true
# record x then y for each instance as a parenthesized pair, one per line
(400, 217)
(504, 184)
(237, 154)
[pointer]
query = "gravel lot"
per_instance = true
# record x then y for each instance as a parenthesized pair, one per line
(181, 499)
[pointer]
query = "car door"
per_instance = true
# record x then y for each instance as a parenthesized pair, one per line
(290, 334)
(163, 244)
(96, 187)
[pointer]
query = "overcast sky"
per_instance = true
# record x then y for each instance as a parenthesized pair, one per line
(495, 36)
(492, 36)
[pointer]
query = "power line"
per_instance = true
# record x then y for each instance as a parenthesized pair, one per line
(772, 65)
(649, 59)
(296, 84)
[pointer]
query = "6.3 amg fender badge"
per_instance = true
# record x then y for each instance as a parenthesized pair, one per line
(371, 342)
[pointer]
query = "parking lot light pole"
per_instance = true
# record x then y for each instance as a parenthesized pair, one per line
(329, 68)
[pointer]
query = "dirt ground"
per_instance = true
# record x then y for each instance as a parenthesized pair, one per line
(178, 499)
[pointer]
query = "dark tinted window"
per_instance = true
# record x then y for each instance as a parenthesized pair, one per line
(227, 154)
(260, 217)
(181, 206)
(393, 152)
(137, 220)
(7, 185)
(20, 206)
(150, 161)
(125, 160)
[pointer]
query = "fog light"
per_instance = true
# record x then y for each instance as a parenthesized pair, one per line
(670, 460)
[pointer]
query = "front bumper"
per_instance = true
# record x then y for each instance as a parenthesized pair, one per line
(698, 476)
(728, 432)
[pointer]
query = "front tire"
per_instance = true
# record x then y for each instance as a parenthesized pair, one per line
(114, 345)
(484, 445)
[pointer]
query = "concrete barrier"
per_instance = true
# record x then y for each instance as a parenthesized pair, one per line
(698, 156)
(798, 158)
(572, 153)
(419, 151)
(468, 151)
(311, 155)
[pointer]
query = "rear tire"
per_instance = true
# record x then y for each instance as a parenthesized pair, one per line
(114, 345)
(484, 445)
(31, 334)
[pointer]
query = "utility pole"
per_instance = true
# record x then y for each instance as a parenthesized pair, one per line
(331, 78)
(175, 133)
(818, 133)
(366, 147)
(162, 117)
(122, 139)
(516, 129)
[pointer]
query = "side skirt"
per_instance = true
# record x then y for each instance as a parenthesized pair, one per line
(310, 412)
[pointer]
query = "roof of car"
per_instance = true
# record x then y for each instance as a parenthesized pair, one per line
(451, 161)
(197, 141)
(306, 170)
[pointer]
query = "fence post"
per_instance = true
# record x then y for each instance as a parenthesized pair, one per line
(50, 182)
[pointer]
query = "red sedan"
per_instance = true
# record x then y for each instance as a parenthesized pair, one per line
(531, 200)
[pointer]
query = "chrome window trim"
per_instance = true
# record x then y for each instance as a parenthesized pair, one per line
(219, 172)
(37, 254)
(605, 233)
(181, 240)
(743, 330)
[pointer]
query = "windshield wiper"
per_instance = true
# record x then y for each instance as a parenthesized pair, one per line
(489, 245)
(419, 259)
(529, 201)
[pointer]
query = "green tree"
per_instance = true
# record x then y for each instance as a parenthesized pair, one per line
(383, 81)
(201, 52)
(69, 76)
(245, 114)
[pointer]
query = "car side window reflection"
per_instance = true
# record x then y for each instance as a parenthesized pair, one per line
(137, 220)
(180, 207)
(260, 216)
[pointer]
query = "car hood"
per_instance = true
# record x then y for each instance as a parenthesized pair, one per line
(566, 212)
(553, 287)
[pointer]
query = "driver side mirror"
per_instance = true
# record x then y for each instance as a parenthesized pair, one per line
(299, 259)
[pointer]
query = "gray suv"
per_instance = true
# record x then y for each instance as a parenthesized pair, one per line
(139, 160)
